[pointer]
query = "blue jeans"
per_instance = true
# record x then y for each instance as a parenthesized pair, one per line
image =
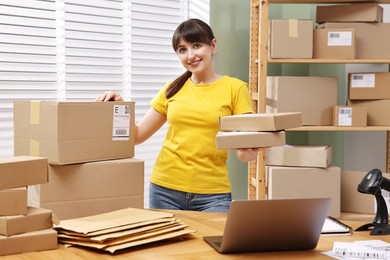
(163, 198)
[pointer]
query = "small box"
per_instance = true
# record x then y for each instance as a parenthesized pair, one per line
(351, 199)
(334, 44)
(368, 85)
(35, 219)
(372, 39)
(13, 202)
(28, 242)
(260, 122)
(21, 171)
(356, 12)
(299, 156)
(377, 111)
(314, 97)
(74, 132)
(234, 140)
(112, 184)
(350, 116)
(305, 182)
(291, 38)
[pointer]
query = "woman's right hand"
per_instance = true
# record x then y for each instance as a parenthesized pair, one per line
(109, 96)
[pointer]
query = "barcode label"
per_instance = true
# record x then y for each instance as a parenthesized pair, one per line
(121, 123)
(339, 38)
(362, 80)
(363, 255)
(344, 116)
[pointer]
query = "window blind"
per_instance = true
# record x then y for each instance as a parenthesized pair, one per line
(75, 50)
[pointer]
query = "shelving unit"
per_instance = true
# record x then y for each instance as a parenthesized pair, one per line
(258, 63)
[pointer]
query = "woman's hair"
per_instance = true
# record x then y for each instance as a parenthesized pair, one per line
(192, 30)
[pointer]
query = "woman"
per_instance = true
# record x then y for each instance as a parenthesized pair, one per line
(190, 174)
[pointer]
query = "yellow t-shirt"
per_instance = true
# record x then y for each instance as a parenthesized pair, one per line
(189, 160)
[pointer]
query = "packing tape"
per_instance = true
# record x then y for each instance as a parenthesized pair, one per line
(34, 148)
(35, 107)
(293, 28)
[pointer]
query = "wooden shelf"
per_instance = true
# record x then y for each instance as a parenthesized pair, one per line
(340, 128)
(330, 61)
(324, 1)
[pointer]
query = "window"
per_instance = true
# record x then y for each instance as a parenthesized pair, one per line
(75, 50)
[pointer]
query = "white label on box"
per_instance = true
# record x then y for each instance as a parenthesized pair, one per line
(362, 80)
(339, 38)
(345, 116)
(121, 123)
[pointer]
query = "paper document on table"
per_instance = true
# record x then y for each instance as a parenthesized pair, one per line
(360, 250)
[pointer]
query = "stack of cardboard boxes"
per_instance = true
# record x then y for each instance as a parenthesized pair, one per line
(22, 228)
(255, 130)
(90, 151)
(343, 31)
(303, 172)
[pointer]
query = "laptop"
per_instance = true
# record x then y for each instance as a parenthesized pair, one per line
(271, 225)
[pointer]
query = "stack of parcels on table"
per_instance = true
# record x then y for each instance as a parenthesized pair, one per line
(255, 130)
(121, 229)
(90, 151)
(294, 171)
(22, 228)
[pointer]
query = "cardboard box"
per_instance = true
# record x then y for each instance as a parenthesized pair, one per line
(314, 97)
(372, 39)
(369, 85)
(260, 122)
(233, 140)
(356, 12)
(13, 202)
(299, 156)
(334, 44)
(377, 111)
(74, 132)
(35, 219)
(350, 116)
(21, 171)
(351, 199)
(291, 38)
(118, 182)
(304, 182)
(83, 208)
(28, 242)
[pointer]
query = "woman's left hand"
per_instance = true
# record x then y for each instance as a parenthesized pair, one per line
(249, 154)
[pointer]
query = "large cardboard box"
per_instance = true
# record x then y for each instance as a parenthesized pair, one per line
(304, 182)
(299, 156)
(334, 44)
(355, 116)
(377, 111)
(28, 242)
(369, 85)
(356, 12)
(260, 122)
(291, 38)
(74, 132)
(314, 97)
(234, 140)
(97, 186)
(372, 39)
(35, 219)
(351, 199)
(21, 171)
(13, 202)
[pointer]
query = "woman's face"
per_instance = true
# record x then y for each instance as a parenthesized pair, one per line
(196, 57)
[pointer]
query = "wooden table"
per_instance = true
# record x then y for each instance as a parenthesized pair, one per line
(195, 248)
